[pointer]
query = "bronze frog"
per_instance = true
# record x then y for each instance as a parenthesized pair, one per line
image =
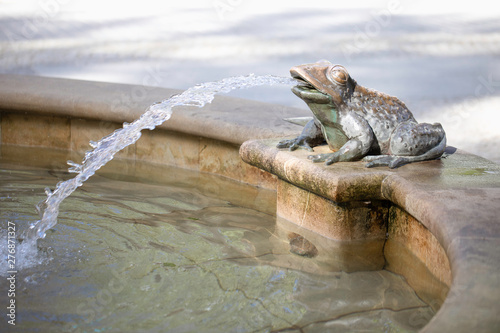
(359, 123)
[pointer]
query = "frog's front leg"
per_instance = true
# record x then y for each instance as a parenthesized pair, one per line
(352, 150)
(311, 136)
(360, 139)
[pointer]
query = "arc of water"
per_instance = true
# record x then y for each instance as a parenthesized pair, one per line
(105, 149)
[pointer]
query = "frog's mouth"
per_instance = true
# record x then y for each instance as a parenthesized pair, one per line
(307, 92)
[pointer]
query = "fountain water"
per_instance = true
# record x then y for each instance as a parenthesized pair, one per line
(105, 149)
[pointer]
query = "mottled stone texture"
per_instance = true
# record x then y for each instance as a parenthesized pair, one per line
(355, 220)
(48, 131)
(161, 146)
(332, 255)
(412, 251)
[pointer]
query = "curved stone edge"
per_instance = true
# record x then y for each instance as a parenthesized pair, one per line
(466, 223)
(456, 198)
(233, 120)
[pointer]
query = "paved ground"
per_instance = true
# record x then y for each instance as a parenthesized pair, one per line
(441, 58)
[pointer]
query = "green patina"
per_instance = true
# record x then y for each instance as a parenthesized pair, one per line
(473, 172)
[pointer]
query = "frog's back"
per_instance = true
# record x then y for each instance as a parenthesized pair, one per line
(383, 112)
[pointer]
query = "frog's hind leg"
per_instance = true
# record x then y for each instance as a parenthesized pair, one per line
(412, 142)
(395, 161)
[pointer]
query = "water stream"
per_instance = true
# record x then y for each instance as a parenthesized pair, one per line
(105, 149)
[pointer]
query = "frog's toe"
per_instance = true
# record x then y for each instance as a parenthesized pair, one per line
(397, 162)
(301, 145)
(332, 159)
(314, 158)
(390, 161)
(376, 162)
(317, 158)
(294, 144)
(283, 144)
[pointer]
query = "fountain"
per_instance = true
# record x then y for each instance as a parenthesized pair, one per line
(281, 272)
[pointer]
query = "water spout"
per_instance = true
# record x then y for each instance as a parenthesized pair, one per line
(104, 150)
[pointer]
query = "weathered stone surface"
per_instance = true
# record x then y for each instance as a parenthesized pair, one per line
(412, 250)
(46, 131)
(302, 247)
(332, 255)
(348, 181)
(356, 220)
(455, 198)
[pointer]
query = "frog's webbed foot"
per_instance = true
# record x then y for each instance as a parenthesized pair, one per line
(293, 144)
(311, 136)
(322, 158)
(385, 160)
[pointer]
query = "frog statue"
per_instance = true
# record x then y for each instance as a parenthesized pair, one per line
(359, 123)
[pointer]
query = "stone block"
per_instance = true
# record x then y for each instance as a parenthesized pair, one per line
(357, 220)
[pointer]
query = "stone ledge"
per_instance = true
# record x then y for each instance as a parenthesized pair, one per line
(349, 182)
(456, 198)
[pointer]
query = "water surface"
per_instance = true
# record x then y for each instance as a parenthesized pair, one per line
(183, 252)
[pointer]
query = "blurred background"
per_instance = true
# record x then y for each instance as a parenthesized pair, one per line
(442, 58)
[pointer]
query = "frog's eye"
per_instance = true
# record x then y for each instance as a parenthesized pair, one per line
(338, 75)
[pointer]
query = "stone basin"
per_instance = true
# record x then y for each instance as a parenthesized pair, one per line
(437, 219)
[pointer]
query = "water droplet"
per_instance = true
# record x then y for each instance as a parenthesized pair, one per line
(75, 167)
